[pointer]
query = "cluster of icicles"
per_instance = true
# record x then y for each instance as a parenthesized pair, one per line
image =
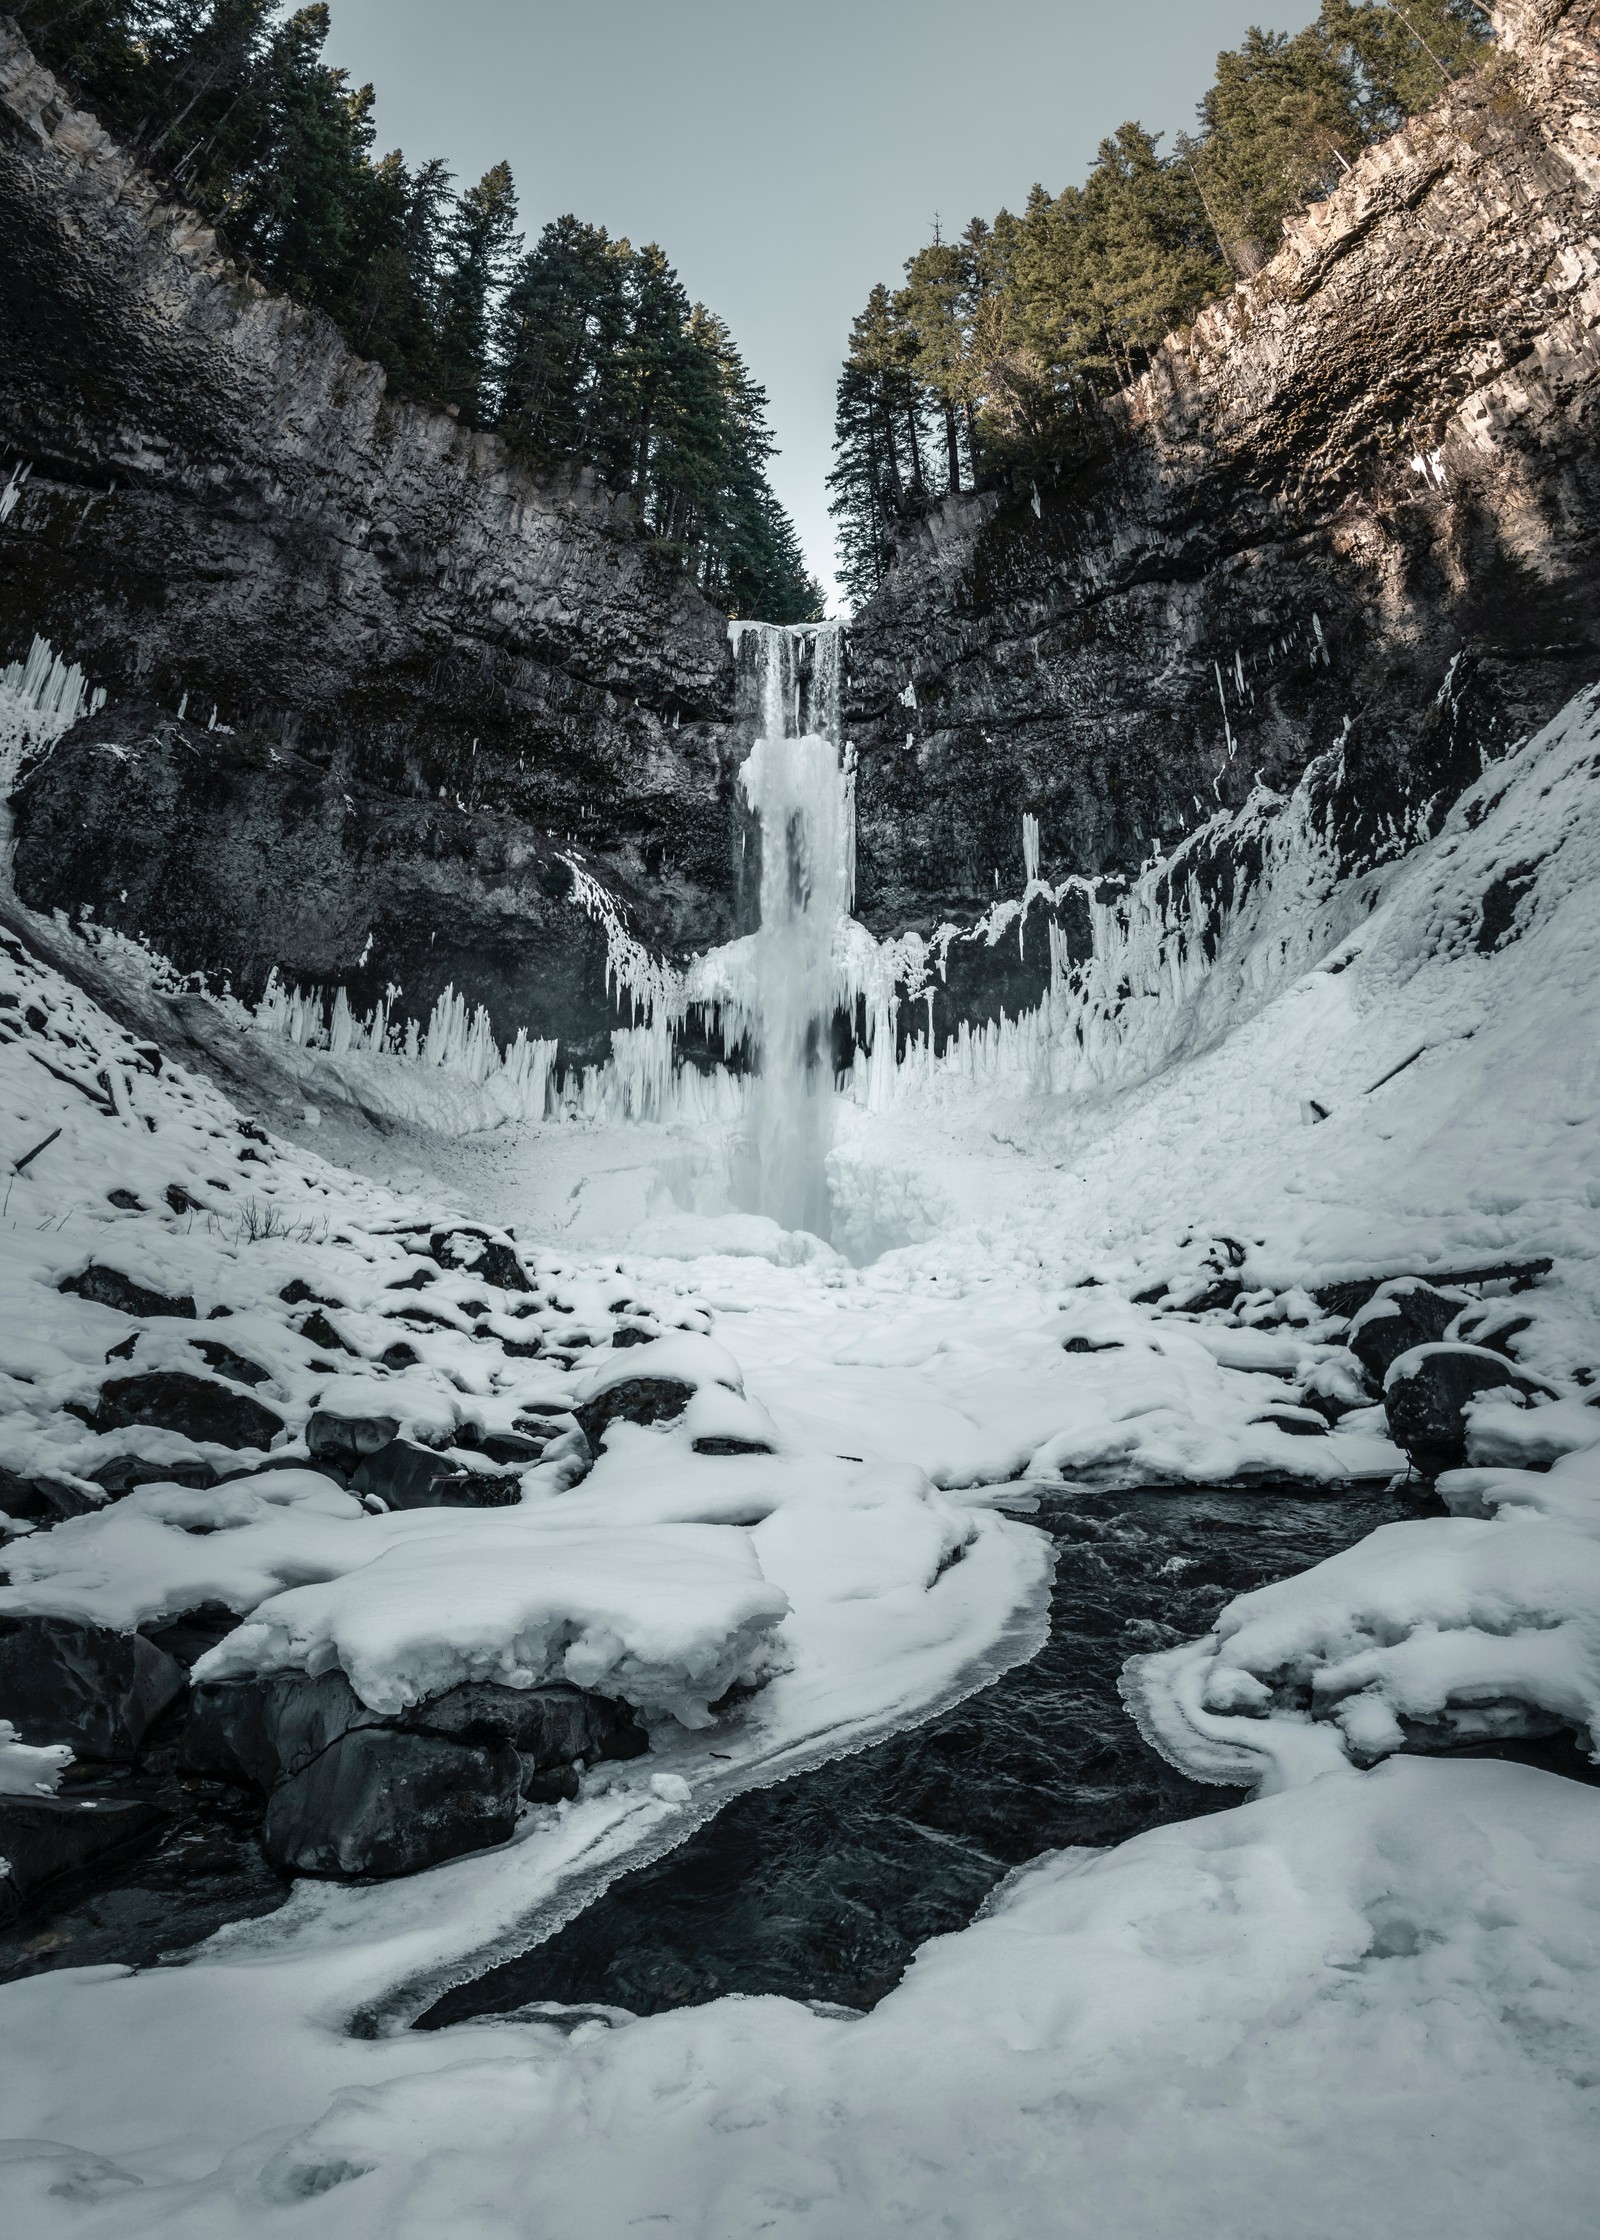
(1163, 965)
(1166, 967)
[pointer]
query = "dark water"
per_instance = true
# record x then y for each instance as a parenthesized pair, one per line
(201, 1868)
(822, 1887)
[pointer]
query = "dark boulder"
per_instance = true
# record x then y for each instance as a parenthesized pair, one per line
(227, 1363)
(381, 1802)
(188, 1637)
(404, 1476)
(265, 1729)
(488, 1257)
(718, 1443)
(1404, 1313)
(42, 1838)
(127, 1471)
(340, 1442)
(297, 1292)
(198, 1407)
(1426, 1394)
(513, 1447)
(550, 1726)
(1299, 1423)
(40, 1500)
(99, 1691)
(109, 1287)
(317, 1330)
(633, 1400)
(269, 1728)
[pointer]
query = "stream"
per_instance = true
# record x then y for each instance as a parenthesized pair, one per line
(821, 1887)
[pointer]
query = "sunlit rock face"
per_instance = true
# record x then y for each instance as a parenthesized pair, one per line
(1356, 501)
(449, 669)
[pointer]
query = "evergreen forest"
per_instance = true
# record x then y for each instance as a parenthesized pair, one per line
(581, 349)
(997, 353)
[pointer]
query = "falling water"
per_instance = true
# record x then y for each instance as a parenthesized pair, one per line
(799, 795)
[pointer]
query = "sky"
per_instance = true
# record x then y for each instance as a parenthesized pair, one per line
(784, 158)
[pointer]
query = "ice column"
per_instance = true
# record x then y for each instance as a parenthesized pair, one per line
(797, 792)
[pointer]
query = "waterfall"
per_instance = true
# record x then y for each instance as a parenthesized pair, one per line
(800, 797)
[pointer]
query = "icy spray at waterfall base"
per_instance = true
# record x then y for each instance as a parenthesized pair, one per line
(799, 796)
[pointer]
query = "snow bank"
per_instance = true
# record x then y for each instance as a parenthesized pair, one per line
(1438, 1632)
(1369, 2005)
(668, 1617)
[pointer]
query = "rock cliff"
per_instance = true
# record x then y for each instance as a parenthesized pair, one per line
(434, 670)
(1358, 499)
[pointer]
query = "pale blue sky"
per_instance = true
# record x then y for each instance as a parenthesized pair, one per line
(785, 159)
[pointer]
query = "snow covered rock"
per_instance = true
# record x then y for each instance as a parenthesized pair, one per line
(27, 1769)
(653, 1383)
(1431, 1635)
(404, 1476)
(1398, 1316)
(97, 1690)
(343, 1441)
(492, 1258)
(665, 1616)
(1426, 1394)
(109, 1287)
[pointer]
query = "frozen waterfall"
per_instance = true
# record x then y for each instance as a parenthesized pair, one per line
(799, 795)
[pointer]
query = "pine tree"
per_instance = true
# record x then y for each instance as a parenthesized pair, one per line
(1279, 127)
(931, 308)
(1401, 54)
(564, 322)
(1013, 340)
(480, 250)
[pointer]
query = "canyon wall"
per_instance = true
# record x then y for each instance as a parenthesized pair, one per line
(1357, 501)
(367, 678)
(369, 683)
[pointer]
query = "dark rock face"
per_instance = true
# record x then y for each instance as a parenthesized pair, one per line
(99, 1691)
(353, 1793)
(404, 1476)
(1426, 1394)
(633, 1400)
(1400, 1315)
(44, 1837)
(344, 1440)
(1358, 499)
(129, 1471)
(489, 1257)
(198, 1407)
(381, 1803)
(109, 1287)
(436, 667)
(40, 1500)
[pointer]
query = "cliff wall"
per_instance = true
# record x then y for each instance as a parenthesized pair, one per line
(1359, 499)
(435, 668)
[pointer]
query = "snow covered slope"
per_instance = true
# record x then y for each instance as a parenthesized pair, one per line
(1365, 1999)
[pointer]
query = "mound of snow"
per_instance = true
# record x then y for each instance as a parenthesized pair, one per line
(668, 1617)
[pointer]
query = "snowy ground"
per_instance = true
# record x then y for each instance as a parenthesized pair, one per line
(1366, 1999)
